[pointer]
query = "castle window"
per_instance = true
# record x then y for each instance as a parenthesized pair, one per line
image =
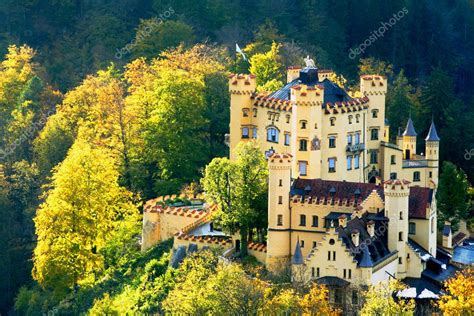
(344, 274)
(333, 256)
(245, 112)
(393, 176)
(314, 244)
(254, 133)
(332, 141)
(349, 139)
(302, 165)
(400, 236)
(302, 243)
(280, 220)
(288, 117)
(332, 164)
(315, 125)
(399, 260)
(280, 183)
(315, 221)
(357, 138)
(392, 159)
(245, 132)
(350, 274)
(374, 134)
(412, 228)
(355, 298)
(317, 272)
(350, 119)
(431, 174)
(338, 296)
(401, 215)
(373, 157)
(280, 199)
(254, 112)
(349, 162)
(303, 124)
(329, 256)
(357, 118)
(375, 113)
(432, 225)
(312, 272)
(303, 145)
(287, 139)
(356, 162)
(416, 176)
(302, 220)
(333, 121)
(272, 135)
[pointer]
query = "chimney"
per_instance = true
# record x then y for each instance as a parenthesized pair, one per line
(371, 228)
(292, 73)
(355, 237)
(343, 220)
(447, 236)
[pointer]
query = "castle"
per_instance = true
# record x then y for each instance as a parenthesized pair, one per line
(346, 207)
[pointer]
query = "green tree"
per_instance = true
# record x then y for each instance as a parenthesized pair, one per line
(83, 210)
(268, 69)
(453, 195)
(379, 300)
(239, 189)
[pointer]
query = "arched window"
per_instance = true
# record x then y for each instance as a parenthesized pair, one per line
(272, 135)
(357, 118)
(350, 119)
(303, 124)
(245, 112)
(375, 113)
(333, 121)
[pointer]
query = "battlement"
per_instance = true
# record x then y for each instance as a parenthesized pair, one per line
(303, 94)
(397, 188)
(280, 161)
(373, 85)
(326, 200)
(354, 105)
(262, 100)
(242, 84)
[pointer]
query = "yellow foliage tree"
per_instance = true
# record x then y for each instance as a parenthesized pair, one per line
(459, 297)
(316, 302)
(379, 300)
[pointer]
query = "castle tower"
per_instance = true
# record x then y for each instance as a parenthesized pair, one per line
(241, 88)
(409, 141)
(397, 193)
(278, 243)
(432, 153)
(306, 125)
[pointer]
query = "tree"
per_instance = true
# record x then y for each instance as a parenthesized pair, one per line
(83, 210)
(316, 302)
(372, 66)
(153, 37)
(379, 300)
(268, 69)
(239, 189)
(459, 297)
(452, 195)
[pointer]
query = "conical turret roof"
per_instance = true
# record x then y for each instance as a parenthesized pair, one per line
(432, 134)
(297, 256)
(409, 129)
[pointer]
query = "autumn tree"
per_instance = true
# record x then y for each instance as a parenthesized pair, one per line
(268, 69)
(239, 188)
(379, 300)
(83, 210)
(459, 297)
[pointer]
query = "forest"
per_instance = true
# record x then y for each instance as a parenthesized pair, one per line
(106, 104)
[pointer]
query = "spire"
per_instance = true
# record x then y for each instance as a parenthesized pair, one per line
(410, 129)
(432, 134)
(297, 256)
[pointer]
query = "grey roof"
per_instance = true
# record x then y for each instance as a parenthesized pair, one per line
(332, 280)
(424, 255)
(178, 256)
(332, 92)
(464, 255)
(432, 134)
(297, 256)
(446, 230)
(192, 248)
(366, 260)
(423, 283)
(409, 129)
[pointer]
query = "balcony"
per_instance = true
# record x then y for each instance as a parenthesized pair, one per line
(355, 148)
(414, 163)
